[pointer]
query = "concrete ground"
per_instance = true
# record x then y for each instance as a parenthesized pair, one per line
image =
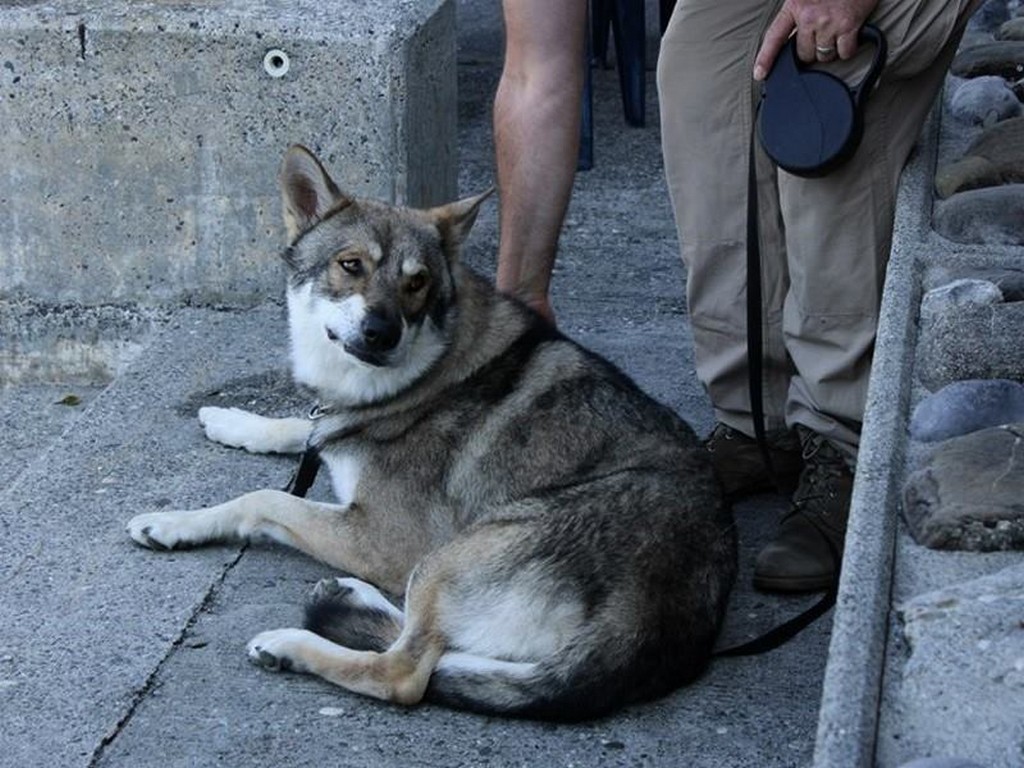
(111, 655)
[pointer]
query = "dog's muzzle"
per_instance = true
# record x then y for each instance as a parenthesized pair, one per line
(378, 335)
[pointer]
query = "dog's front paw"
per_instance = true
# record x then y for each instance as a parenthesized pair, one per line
(277, 649)
(236, 428)
(161, 530)
(232, 427)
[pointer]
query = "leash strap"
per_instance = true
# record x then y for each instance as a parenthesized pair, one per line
(755, 340)
(786, 631)
(305, 475)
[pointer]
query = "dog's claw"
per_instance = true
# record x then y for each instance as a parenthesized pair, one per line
(163, 531)
(279, 650)
(261, 657)
(327, 589)
(267, 660)
(152, 543)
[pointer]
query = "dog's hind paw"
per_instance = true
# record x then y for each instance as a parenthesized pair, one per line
(278, 649)
(330, 589)
(264, 658)
(355, 593)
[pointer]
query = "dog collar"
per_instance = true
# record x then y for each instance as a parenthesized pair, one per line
(318, 412)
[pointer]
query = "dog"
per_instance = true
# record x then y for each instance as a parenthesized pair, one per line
(560, 540)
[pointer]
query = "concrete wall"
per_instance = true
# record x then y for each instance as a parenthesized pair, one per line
(142, 139)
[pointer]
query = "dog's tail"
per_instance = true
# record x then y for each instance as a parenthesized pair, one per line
(580, 683)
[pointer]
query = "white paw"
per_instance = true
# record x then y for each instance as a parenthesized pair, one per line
(162, 530)
(231, 426)
(256, 434)
(277, 649)
(354, 592)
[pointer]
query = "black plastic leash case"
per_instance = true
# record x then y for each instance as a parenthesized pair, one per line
(809, 121)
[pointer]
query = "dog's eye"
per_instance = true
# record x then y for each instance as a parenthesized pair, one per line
(353, 267)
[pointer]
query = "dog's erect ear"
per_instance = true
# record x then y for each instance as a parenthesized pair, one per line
(307, 191)
(456, 219)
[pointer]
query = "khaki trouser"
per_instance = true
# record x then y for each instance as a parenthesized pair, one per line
(824, 242)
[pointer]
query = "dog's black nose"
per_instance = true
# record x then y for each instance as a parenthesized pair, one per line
(380, 332)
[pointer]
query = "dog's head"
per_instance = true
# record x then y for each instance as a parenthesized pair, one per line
(371, 296)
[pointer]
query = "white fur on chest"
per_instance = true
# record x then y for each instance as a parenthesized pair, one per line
(345, 470)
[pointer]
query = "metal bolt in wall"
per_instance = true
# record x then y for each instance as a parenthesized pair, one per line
(276, 63)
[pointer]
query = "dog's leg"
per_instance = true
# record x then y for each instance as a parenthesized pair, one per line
(348, 538)
(257, 434)
(268, 514)
(399, 674)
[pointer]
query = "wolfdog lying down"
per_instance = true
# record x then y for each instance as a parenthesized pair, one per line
(560, 541)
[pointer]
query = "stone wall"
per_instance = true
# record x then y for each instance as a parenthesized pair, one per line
(926, 652)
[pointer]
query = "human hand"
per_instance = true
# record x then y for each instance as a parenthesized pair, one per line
(825, 29)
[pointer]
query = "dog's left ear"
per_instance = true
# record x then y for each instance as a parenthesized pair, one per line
(307, 192)
(454, 220)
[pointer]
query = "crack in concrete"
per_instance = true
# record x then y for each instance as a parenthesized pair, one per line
(141, 693)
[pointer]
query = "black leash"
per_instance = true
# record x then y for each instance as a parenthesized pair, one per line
(755, 336)
(309, 464)
(790, 149)
(789, 629)
(755, 363)
(786, 631)
(305, 475)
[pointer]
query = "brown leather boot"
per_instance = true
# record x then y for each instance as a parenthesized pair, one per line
(740, 466)
(806, 553)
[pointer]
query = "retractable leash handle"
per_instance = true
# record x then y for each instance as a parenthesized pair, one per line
(809, 122)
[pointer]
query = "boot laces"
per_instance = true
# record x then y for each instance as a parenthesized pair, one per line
(825, 468)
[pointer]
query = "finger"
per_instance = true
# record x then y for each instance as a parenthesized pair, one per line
(776, 36)
(846, 45)
(825, 49)
(806, 43)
